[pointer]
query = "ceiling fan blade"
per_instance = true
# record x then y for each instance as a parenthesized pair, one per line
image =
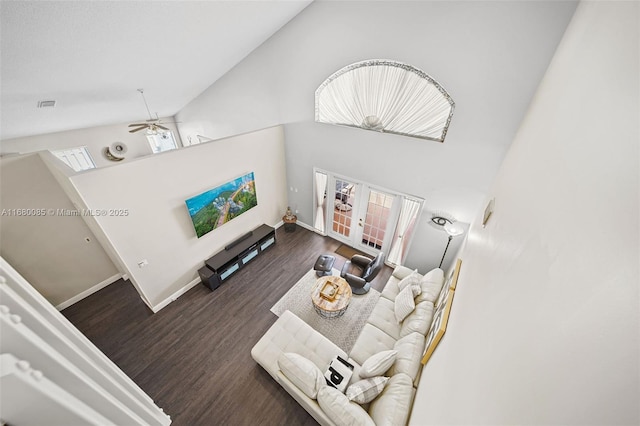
(138, 124)
(161, 127)
(138, 129)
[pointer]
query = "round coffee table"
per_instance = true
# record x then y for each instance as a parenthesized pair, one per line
(331, 306)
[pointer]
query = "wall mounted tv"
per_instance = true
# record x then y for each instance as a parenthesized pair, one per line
(219, 205)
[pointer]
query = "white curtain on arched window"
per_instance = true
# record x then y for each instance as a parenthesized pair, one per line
(385, 96)
(408, 213)
(321, 188)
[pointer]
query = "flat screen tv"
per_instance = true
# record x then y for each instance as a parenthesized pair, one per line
(219, 205)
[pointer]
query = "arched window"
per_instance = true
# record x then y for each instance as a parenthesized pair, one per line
(385, 96)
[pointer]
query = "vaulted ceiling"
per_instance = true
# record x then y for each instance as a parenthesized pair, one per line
(91, 57)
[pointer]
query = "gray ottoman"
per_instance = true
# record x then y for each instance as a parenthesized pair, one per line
(324, 264)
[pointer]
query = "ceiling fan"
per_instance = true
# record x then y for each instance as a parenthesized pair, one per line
(153, 125)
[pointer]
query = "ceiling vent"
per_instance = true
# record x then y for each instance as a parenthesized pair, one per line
(46, 104)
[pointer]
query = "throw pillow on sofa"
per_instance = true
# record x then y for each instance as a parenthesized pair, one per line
(378, 364)
(366, 390)
(405, 301)
(412, 278)
(302, 372)
(340, 410)
(339, 373)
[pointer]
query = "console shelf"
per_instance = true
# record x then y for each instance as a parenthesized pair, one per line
(237, 254)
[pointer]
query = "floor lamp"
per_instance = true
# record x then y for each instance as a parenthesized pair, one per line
(453, 229)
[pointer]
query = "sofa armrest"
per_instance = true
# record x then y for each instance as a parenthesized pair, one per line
(355, 280)
(361, 261)
(401, 272)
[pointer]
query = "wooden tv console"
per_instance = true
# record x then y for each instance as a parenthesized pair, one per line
(236, 255)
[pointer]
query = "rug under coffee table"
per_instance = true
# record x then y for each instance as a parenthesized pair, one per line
(331, 296)
(344, 330)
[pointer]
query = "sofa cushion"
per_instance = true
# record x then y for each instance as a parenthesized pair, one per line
(405, 303)
(383, 317)
(400, 272)
(377, 364)
(302, 372)
(392, 406)
(410, 349)
(419, 320)
(390, 290)
(431, 284)
(342, 411)
(370, 341)
(366, 390)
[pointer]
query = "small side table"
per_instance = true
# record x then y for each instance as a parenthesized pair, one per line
(289, 220)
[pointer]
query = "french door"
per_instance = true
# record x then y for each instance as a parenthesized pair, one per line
(361, 215)
(380, 213)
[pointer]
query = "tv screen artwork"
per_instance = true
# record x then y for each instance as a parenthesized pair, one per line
(219, 205)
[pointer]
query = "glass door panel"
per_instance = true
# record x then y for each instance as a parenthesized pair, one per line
(344, 200)
(378, 214)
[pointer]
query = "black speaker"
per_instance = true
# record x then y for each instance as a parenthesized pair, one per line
(209, 278)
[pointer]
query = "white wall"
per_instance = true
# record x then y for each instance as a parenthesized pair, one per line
(49, 250)
(545, 322)
(158, 227)
(490, 56)
(96, 139)
(62, 173)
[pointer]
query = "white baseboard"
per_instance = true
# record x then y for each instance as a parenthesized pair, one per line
(305, 226)
(302, 224)
(88, 292)
(175, 295)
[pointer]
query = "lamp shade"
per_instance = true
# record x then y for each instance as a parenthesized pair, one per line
(453, 229)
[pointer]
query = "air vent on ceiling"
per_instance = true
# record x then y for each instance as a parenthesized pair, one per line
(46, 104)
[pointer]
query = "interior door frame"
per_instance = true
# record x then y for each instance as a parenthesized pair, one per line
(359, 211)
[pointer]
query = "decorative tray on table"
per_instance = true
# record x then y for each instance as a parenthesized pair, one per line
(329, 291)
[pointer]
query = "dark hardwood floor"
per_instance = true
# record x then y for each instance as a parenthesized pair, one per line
(193, 357)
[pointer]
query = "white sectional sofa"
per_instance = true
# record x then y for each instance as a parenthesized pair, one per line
(382, 333)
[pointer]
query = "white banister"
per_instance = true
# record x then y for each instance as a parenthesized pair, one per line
(56, 343)
(29, 397)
